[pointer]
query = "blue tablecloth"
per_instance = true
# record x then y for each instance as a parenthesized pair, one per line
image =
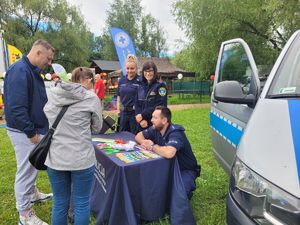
(126, 193)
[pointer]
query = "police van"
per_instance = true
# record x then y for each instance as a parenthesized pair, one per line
(256, 134)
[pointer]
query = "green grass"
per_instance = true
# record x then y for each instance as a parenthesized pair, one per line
(208, 202)
(176, 99)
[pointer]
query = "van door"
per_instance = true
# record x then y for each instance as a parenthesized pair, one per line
(228, 120)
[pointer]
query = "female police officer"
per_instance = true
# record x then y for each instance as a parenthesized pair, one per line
(151, 93)
(126, 95)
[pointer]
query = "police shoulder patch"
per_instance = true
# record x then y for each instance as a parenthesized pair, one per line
(162, 91)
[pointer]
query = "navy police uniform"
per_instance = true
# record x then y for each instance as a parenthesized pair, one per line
(148, 97)
(127, 90)
(175, 137)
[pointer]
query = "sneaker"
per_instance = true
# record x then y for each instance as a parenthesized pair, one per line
(37, 197)
(31, 219)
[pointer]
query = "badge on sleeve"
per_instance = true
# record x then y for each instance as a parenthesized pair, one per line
(162, 91)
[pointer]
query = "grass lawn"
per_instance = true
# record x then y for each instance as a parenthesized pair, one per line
(208, 202)
(175, 99)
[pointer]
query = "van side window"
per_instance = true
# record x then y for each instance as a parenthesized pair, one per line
(287, 78)
(235, 65)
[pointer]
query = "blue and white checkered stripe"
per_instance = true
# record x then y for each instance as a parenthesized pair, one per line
(227, 129)
(294, 110)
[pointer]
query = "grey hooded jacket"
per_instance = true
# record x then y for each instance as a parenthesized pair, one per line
(71, 147)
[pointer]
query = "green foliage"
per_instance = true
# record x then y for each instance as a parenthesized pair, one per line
(264, 25)
(183, 59)
(145, 31)
(208, 202)
(64, 27)
(108, 50)
(151, 37)
(125, 14)
(54, 21)
(96, 44)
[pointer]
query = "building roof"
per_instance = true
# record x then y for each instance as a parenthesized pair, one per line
(106, 65)
(164, 67)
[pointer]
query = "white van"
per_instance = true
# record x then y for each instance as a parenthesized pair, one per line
(256, 134)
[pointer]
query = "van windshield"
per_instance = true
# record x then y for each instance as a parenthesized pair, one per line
(286, 83)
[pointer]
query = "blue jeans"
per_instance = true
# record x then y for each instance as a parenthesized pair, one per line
(81, 183)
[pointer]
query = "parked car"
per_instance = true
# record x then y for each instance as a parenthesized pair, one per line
(256, 134)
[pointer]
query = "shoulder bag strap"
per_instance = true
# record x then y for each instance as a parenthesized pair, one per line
(58, 118)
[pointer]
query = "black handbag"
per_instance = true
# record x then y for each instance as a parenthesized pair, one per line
(108, 123)
(39, 154)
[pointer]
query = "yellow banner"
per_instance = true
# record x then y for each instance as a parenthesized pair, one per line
(14, 54)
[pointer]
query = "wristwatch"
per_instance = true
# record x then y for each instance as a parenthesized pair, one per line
(152, 148)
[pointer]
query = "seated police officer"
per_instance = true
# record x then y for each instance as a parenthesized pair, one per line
(169, 140)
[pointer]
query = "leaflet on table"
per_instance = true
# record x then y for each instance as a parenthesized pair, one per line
(130, 157)
(117, 144)
(133, 152)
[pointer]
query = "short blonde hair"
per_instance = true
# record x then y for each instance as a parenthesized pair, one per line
(131, 58)
(43, 43)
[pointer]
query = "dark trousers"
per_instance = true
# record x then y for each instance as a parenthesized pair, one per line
(189, 181)
(128, 122)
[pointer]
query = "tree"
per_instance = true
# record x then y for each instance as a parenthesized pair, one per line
(264, 25)
(151, 40)
(96, 45)
(55, 21)
(145, 31)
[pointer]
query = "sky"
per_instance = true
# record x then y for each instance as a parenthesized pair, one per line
(94, 12)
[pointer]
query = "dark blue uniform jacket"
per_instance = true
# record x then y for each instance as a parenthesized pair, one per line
(175, 137)
(127, 90)
(149, 96)
(24, 98)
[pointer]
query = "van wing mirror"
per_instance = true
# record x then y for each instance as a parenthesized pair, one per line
(232, 92)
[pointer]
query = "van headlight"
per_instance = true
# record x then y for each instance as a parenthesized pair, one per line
(264, 202)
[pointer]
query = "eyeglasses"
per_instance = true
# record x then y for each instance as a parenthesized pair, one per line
(149, 71)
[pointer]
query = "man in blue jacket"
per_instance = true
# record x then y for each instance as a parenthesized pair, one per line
(24, 100)
(169, 140)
